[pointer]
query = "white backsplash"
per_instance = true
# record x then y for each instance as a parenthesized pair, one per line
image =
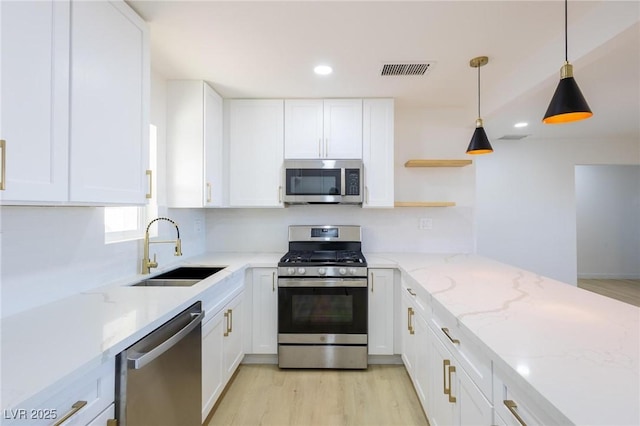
(383, 230)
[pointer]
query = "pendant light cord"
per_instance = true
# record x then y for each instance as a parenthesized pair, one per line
(479, 116)
(566, 42)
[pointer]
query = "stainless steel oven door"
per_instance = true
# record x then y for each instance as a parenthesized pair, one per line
(322, 306)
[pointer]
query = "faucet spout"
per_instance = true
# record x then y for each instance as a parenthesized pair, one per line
(147, 263)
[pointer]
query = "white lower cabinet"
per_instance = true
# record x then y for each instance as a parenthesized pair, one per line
(222, 348)
(264, 319)
(82, 400)
(515, 407)
(106, 418)
(456, 400)
(381, 295)
(415, 349)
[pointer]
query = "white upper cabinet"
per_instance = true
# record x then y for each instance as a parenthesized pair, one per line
(329, 128)
(75, 96)
(109, 130)
(194, 145)
(377, 152)
(34, 101)
(256, 143)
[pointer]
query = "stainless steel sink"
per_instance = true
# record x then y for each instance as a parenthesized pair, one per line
(166, 283)
(184, 276)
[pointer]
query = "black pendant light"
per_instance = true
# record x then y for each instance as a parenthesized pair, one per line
(567, 103)
(479, 142)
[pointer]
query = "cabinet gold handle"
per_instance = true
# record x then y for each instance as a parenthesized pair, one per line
(150, 175)
(410, 321)
(112, 422)
(273, 281)
(74, 409)
(445, 364)
(230, 320)
(208, 192)
(3, 175)
(446, 332)
(226, 331)
(452, 399)
(372, 283)
(513, 407)
(280, 194)
(411, 292)
(320, 147)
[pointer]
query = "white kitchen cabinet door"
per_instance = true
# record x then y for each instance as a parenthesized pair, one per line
(34, 101)
(407, 328)
(194, 145)
(256, 151)
(265, 311)
(343, 128)
(109, 129)
(232, 346)
(453, 397)
(303, 131)
(377, 152)
(317, 128)
(103, 418)
(381, 295)
(212, 367)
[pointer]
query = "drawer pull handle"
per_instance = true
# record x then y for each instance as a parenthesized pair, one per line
(3, 164)
(452, 399)
(74, 409)
(411, 292)
(446, 332)
(410, 320)
(226, 331)
(149, 194)
(230, 320)
(513, 408)
(445, 364)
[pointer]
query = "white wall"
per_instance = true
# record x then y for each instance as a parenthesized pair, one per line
(526, 203)
(608, 221)
(49, 253)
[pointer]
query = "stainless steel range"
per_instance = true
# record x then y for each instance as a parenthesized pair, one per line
(323, 299)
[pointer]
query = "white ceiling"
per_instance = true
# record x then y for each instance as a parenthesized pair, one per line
(267, 49)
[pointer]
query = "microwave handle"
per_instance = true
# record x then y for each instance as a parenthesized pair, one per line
(343, 191)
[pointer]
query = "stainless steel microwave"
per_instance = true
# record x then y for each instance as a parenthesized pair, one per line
(323, 181)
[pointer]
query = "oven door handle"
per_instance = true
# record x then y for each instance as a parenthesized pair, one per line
(322, 282)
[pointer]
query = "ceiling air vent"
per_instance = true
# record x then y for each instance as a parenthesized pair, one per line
(414, 68)
(512, 137)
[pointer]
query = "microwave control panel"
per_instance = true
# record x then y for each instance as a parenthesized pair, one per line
(352, 184)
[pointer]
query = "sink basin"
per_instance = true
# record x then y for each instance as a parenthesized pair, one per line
(185, 276)
(189, 273)
(152, 282)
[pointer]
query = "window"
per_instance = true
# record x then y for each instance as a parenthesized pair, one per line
(129, 222)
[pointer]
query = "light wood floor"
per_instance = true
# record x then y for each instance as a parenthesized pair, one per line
(624, 290)
(266, 395)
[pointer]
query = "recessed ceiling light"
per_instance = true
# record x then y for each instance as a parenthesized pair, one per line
(520, 125)
(323, 70)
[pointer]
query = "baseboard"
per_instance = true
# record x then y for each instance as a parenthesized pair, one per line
(273, 359)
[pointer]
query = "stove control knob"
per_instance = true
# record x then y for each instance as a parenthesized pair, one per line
(291, 271)
(352, 271)
(342, 271)
(322, 271)
(301, 271)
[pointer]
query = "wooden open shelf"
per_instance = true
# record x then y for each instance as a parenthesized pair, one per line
(424, 204)
(437, 163)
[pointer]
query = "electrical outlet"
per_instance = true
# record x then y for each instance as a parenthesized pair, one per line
(197, 226)
(425, 223)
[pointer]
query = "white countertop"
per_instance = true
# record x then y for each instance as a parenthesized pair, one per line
(579, 350)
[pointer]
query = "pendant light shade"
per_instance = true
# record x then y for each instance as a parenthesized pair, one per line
(568, 103)
(479, 141)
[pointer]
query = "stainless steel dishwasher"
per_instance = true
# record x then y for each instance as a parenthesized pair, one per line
(158, 381)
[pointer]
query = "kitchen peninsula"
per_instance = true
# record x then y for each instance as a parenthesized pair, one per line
(564, 349)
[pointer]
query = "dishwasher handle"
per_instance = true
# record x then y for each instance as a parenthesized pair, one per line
(138, 359)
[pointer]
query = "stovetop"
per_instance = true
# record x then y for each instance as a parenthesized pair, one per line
(323, 258)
